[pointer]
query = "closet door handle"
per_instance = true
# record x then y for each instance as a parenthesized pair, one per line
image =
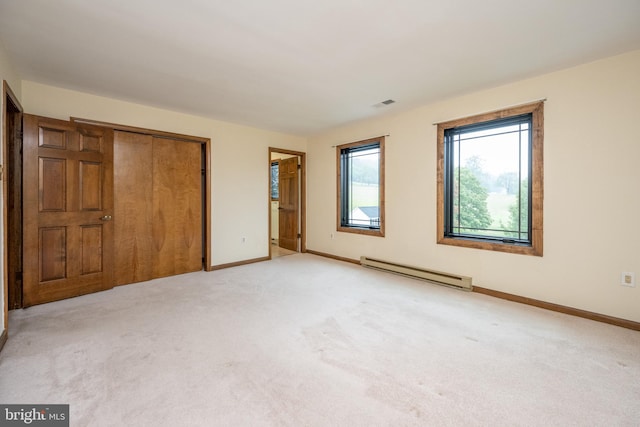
(106, 218)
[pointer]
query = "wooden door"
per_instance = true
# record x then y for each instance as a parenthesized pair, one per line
(133, 207)
(177, 207)
(158, 207)
(67, 208)
(288, 203)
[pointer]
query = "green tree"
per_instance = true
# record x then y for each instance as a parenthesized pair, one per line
(508, 181)
(475, 164)
(470, 202)
(519, 213)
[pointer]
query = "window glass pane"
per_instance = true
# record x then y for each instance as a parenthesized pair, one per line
(363, 187)
(274, 180)
(490, 173)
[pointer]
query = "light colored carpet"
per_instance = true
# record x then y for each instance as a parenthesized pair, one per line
(307, 341)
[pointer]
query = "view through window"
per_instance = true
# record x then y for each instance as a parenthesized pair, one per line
(490, 180)
(274, 180)
(360, 185)
(488, 167)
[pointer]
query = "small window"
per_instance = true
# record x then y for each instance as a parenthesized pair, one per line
(361, 187)
(490, 181)
(274, 180)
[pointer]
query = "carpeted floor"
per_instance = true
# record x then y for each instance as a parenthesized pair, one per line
(307, 341)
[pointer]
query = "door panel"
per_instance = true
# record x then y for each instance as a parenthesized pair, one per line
(68, 194)
(90, 142)
(177, 207)
(91, 245)
(288, 203)
(90, 186)
(52, 184)
(133, 187)
(53, 253)
(52, 137)
(158, 226)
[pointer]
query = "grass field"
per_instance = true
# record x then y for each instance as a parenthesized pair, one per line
(498, 205)
(364, 195)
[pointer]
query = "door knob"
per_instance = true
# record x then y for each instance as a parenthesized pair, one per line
(106, 218)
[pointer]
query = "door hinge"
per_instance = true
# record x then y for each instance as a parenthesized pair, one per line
(299, 235)
(299, 166)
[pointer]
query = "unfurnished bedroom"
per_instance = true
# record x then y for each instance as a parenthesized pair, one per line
(337, 213)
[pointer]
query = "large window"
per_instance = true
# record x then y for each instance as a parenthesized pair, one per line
(361, 187)
(490, 181)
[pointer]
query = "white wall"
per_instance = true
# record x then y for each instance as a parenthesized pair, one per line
(591, 189)
(240, 161)
(6, 73)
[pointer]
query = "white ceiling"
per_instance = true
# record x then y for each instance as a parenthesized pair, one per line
(302, 66)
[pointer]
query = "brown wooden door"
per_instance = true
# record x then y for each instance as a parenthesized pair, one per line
(68, 206)
(158, 205)
(133, 206)
(177, 207)
(288, 203)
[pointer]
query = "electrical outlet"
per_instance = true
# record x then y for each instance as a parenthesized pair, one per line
(628, 279)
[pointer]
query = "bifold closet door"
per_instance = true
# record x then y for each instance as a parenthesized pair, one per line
(177, 207)
(133, 207)
(158, 207)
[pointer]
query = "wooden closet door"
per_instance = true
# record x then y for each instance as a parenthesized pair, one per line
(177, 207)
(158, 207)
(68, 207)
(133, 189)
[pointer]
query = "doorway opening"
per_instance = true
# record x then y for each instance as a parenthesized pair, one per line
(287, 202)
(12, 190)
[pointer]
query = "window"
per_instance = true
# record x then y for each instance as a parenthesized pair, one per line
(274, 180)
(490, 181)
(361, 187)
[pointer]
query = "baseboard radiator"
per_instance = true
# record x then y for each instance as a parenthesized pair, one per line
(447, 279)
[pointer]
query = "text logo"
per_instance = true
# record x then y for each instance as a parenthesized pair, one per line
(34, 415)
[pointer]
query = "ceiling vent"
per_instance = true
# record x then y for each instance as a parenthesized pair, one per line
(384, 103)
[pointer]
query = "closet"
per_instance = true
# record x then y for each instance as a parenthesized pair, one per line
(157, 206)
(107, 205)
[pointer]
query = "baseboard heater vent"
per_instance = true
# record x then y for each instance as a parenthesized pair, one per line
(461, 282)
